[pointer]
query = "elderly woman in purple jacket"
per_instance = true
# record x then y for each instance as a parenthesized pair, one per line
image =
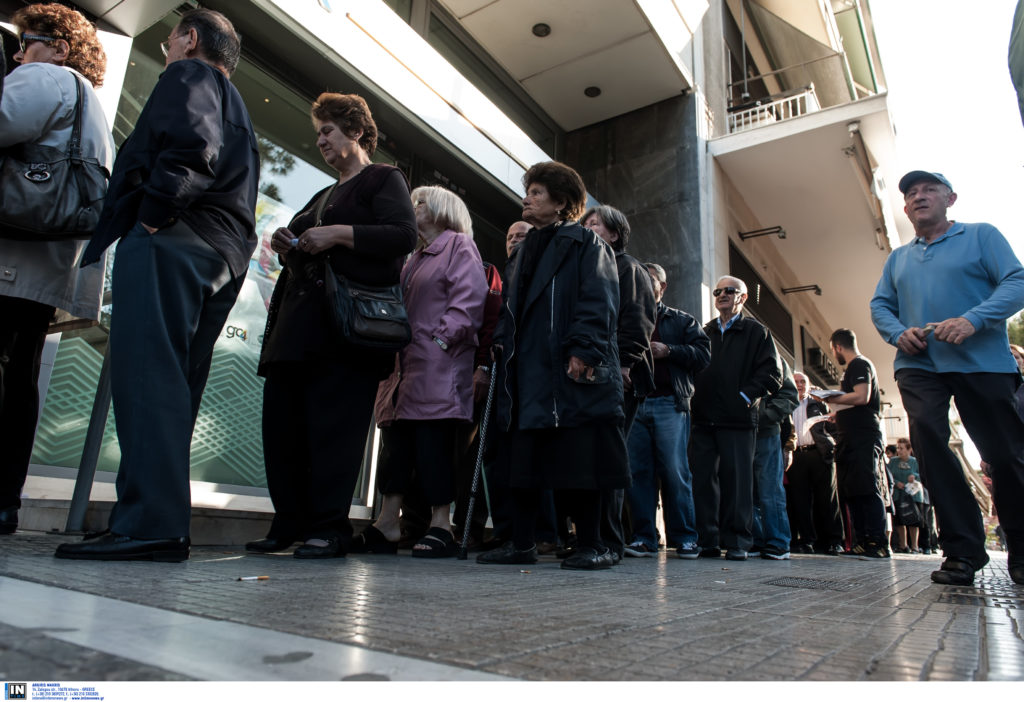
(420, 406)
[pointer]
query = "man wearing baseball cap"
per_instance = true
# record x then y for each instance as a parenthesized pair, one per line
(943, 301)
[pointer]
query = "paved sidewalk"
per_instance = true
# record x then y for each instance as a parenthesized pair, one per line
(811, 618)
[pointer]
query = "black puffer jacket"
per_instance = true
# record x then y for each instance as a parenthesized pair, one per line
(569, 307)
(743, 360)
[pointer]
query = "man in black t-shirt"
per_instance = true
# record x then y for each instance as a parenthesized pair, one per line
(859, 447)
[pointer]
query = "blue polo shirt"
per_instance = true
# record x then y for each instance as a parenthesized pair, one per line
(971, 272)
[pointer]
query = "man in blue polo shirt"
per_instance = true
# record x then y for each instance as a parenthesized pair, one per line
(943, 301)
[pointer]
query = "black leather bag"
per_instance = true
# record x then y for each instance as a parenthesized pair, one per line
(364, 315)
(906, 509)
(47, 194)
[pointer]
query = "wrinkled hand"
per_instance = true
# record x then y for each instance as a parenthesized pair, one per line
(912, 341)
(627, 382)
(578, 368)
(481, 383)
(899, 485)
(955, 330)
(316, 239)
(281, 241)
(659, 350)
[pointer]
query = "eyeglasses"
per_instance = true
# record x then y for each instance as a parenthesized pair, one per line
(165, 45)
(727, 291)
(24, 39)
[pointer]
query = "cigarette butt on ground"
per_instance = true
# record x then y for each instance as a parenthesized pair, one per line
(254, 577)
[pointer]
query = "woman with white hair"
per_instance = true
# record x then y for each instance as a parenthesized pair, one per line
(430, 393)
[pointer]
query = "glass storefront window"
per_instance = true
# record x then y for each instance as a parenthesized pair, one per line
(227, 444)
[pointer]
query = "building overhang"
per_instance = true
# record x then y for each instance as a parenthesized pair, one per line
(829, 180)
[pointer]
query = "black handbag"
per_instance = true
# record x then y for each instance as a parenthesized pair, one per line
(47, 194)
(370, 316)
(906, 509)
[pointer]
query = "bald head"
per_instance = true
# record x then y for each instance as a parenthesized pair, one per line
(516, 233)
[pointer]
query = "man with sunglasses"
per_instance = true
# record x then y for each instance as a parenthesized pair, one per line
(943, 301)
(182, 201)
(744, 368)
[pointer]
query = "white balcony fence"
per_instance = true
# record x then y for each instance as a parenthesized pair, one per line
(777, 110)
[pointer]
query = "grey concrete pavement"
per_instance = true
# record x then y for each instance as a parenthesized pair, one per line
(810, 618)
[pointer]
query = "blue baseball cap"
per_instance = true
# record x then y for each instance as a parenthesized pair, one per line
(917, 176)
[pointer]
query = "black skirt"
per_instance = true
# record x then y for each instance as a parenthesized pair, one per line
(589, 457)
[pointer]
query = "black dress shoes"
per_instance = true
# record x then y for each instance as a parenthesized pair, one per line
(8, 520)
(330, 549)
(269, 545)
(1017, 573)
(116, 547)
(509, 555)
(589, 559)
(958, 571)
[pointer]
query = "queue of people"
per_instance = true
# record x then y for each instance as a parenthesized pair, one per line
(605, 396)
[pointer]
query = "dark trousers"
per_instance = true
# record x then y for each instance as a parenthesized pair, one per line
(612, 531)
(985, 404)
(467, 447)
(421, 451)
(722, 463)
(23, 325)
(814, 500)
(172, 294)
(315, 421)
(584, 505)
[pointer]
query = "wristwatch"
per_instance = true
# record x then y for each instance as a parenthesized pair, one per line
(442, 344)
(485, 369)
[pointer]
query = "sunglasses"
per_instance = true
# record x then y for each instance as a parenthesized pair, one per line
(726, 291)
(25, 39)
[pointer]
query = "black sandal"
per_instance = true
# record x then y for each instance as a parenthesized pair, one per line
(372, 540)
(439, 542)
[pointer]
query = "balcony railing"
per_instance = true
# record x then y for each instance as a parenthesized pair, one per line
(774, 109)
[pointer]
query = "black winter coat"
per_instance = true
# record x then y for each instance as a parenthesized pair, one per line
(689, 351)
(779, 405)
(570, 308)
(744, 360)
(637, 316)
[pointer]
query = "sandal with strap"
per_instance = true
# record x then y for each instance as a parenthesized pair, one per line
(372, 540)
(439, 542)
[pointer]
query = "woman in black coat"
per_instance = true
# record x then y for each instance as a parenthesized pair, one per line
(559, 388)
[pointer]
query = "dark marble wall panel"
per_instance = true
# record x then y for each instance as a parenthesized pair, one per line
(645, 163)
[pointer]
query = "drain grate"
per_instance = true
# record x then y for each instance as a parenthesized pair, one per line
(982, 601)
(814, 584)
(986, 592)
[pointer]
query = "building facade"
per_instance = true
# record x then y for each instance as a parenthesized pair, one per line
(743, 137)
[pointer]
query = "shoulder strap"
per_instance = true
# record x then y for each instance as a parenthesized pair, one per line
(75, 142)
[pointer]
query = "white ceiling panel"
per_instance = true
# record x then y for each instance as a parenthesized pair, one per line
(630, 75)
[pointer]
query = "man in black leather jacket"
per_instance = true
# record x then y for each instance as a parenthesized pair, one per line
(182, 200)
(658, 440)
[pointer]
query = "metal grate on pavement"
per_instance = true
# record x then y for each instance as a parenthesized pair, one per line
(814, 584)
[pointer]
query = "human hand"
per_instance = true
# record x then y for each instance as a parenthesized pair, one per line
(910, 479)
(899, 485)
(481, 383)
(627, 382)
(578, 368)
(912, 341)
(147, 227)
(659, 350)
(954, 330)
(316, 239)
(281, 241)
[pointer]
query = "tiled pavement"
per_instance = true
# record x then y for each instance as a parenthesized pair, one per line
(811, 618)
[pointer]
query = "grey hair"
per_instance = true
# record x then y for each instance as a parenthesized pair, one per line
(659, 273)
(218, 40)
(446, 209)
(612, 219)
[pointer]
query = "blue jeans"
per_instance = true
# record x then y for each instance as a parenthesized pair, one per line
(771, 523)
(657, 450)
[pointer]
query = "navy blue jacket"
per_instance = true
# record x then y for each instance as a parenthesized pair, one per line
(192, 156)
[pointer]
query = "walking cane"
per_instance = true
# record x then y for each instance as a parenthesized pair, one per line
(474, 489)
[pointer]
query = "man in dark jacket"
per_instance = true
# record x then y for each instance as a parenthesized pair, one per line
(636, 324)
(657, 443)
(771, 523)
(811, 492)
(182, 200)
(744, 368)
